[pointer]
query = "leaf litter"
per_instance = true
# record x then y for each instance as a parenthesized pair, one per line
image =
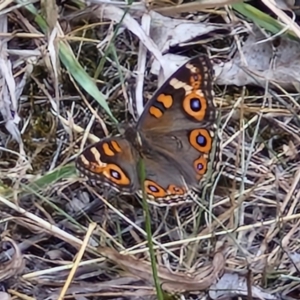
(61, 238)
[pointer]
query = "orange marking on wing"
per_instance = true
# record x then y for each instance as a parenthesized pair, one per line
(203, 162)
(107, 150)
(166, 100)
(95, 168)
(195, 139)
(157, 191)
(116, 146)
(175, 190)
(115, 174)
(195, 81)
(111, 171)
(154, 111)
(197, 114)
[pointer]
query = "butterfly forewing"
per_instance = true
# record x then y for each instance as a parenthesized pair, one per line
(112, 161)
(183, 101)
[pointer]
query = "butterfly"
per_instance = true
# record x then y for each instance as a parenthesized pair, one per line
(174, 137)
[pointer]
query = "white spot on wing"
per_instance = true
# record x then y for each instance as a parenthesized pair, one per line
(97, 156)
(192, 68)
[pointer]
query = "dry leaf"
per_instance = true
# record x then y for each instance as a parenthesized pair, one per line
(4, 296)
(290, 150)
(10, 265)
(168, 32)
(252, 66)
(171, 282)
(233, 285)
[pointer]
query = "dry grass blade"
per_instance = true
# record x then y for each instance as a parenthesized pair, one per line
(10, 265)
(38, 222)
(78, 258)
(283, 16)
(202, 279)
(65, 76)
(117, 14)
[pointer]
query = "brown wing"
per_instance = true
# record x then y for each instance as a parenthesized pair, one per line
(179, 125)
(184, 101)
(111, 161)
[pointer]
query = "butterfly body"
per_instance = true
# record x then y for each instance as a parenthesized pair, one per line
(173, 136)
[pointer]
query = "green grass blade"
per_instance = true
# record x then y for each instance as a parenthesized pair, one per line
(142, 173)
(70, 62)
(263, 20)
(44, 181)
(83, 79)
